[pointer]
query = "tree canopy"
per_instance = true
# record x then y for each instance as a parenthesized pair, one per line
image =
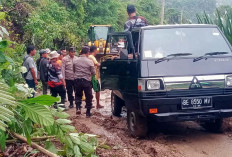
(59, 23)
(189, 8)
(62, 23)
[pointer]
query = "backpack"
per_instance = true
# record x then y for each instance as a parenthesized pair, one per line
(24, 75)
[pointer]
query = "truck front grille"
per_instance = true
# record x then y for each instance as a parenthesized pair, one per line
(192, 92)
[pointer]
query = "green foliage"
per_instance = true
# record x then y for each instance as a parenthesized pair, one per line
(82, 144)
(17, 11)
(9, 69)
(7, 102)
(77, 151)
(191, 7)
(51, 25)
(150, 9)
(173, 16)
(61, 115)
(34, 117)
(38, 114)
(42, 100)
(2, 15)
(3, 45)
(224, 22)
(224, 9)
(104, 12)
(3, 137)
(63, 121)
(205, 19)
(59, 23)
(34, 111)
(105, 146)
(75, 144)
(51, 147)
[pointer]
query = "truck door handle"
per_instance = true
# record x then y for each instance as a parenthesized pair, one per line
(104, 68)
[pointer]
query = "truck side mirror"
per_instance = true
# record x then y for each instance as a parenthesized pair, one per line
(124, 54)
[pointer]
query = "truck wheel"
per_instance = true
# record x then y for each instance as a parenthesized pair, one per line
(216, 125)
(116, 105)
(137, 124)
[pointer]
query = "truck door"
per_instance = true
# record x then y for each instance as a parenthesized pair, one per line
(117, 72)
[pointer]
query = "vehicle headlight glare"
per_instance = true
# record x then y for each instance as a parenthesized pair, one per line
(153, 84)
(229, 81)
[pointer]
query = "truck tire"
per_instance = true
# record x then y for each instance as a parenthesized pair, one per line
(137, 124)
(216, 126)
(116, 105)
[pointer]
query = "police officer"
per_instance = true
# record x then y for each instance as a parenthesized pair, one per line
(68, 73)
(84, 69)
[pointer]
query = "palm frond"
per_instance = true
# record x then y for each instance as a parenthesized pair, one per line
(7, 101)
(38, 114)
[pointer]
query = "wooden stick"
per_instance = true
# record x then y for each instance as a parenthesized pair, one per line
(34, 139)
(34, 145)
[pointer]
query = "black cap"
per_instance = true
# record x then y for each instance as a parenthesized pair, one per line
(93, 48)
(72, 49)
(130, 9)
(59, 52)
(42, 51)
(85, 49)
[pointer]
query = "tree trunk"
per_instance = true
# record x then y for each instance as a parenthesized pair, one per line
(162, 12)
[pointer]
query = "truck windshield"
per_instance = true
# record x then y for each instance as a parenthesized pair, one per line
(159, 43)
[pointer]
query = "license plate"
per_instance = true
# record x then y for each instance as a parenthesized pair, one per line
(196, 103)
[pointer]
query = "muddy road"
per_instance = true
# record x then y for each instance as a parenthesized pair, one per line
(185, 139)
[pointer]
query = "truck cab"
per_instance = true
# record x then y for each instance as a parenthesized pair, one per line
(170, 73)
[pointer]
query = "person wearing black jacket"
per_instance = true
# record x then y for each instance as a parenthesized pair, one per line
(43, 70)
(134, 21)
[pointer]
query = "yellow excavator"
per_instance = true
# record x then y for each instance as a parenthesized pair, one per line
(98, 35)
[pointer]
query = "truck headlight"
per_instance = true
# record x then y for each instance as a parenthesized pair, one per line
(153, 84)
(229, 81)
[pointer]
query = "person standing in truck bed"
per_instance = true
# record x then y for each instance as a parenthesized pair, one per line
(134, 21)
